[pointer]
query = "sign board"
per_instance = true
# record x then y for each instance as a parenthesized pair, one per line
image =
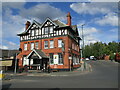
(6, 63)
(55, 59)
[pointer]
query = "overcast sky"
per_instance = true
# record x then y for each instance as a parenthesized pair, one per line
(100, 19)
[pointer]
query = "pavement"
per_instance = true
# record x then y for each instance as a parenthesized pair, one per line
(84, 69)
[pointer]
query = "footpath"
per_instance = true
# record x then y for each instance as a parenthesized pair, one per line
(84, 69)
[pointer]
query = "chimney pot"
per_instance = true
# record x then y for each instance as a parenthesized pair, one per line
(68, 19)
(27, 24)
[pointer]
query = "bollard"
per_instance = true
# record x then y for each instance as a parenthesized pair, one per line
(1, 75)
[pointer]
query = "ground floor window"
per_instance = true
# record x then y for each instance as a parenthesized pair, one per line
(60, 59)
(51, 58)
(77, 60)
(25, 61)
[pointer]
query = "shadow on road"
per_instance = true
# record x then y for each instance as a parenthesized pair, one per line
(6, 86)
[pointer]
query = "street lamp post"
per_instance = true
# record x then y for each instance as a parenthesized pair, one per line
(82, 53)
(15, 63)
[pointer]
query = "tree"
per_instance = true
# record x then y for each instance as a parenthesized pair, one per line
(100, 49)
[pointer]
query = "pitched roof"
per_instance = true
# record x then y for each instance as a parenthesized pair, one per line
(74, 27)
(59, 23)
(8, 53)
(38, 52)
(55, 22)
(41, 53)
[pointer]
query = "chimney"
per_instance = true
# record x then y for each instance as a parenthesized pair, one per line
(27, 25)
(68, 19)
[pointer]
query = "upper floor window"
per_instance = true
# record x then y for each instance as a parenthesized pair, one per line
(36, 45)
(36, 32)
(46, 30)
(32, 46)
(72, 45)
(60, 59)
(25, 46)
(51, 29)
(32, 33)
(60, 43)
(46, 44)
(51, 44)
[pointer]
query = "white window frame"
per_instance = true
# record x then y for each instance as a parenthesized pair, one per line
(51, 43)
(51, 29)
(51, 59)
(37, 32)
(32, 33)
(59, 42)
(32, 46)
(36, 45)
(25, 46)
(45, 44)
(25, 61)
(59, 59)
(46, 30)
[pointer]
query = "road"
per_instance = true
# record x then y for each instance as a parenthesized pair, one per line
(104, 75)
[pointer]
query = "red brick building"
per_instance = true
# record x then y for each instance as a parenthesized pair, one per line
(50, 43)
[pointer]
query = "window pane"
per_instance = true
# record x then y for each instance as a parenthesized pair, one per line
(60, 61)
(46, 30)
(45, 44)
(51, 58)
(36, 45)
(25, 46)
(59, 43)
(37, 32)
(32, 46)
(51, 44)
(32, 33)
(51, 29)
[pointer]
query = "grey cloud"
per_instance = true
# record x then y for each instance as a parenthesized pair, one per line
(94, 7)
(42, 11)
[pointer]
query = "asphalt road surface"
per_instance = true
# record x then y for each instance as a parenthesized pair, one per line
(104, 75)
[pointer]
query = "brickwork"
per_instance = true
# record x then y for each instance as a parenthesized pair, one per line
(68, 41)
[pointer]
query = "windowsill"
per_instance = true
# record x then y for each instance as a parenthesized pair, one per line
(60, 64)
(56, 64)
(51, 48)
(46, 48)
(59, 47)
(25, 50)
